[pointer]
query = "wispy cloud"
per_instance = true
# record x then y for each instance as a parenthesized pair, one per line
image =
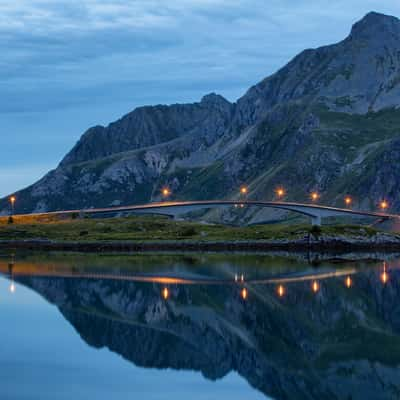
(100, 58)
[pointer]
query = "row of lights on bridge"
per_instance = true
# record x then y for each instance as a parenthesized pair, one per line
(280, 193)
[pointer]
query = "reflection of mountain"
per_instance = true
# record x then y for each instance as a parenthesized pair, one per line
(337, 344)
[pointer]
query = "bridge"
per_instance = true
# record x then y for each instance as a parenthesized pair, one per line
(172, 208)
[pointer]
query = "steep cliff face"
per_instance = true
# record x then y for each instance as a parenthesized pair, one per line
(149, 126)
(359, 74)
(321, 122)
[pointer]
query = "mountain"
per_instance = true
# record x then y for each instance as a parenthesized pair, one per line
(328, 120)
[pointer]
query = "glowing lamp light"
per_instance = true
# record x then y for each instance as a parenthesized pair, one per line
(384, 275)
(348, 200)
(244, 293)
(314, 196)
(12, 201)
(244, 190)
(165, 293)
(348, 282)
(315, 286)
(281, 291)
(384, 205)
(280, 192)
(165, 192)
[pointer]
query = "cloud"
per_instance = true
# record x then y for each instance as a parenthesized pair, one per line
(100, 58)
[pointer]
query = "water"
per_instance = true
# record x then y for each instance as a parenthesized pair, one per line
(198, 327)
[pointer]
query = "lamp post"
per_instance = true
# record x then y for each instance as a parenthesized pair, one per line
(280, 193)
(314, 196)
(384, 205)
(166, 192)
(12, 202)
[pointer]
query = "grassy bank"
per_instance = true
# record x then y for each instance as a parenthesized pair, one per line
(152, 234)
(156, 229)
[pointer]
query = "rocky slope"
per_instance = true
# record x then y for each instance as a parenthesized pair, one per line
(328, 120)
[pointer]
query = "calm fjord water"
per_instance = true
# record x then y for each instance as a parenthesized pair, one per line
(198, 327)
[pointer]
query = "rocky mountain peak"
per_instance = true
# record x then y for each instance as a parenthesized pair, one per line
(214, 99)
(326, 118)
(376, 26)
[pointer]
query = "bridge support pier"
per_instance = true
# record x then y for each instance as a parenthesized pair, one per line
(316, 220)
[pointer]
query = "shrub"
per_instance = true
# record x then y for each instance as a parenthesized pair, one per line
(316, 230)
(188, 231)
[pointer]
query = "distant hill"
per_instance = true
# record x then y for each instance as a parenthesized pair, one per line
(328, 120)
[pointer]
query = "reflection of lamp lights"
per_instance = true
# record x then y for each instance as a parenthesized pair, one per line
(281, 291)
(384, 275)
(348, 282)
(315, 286)
(165, 293)
(243, 293)
(242, 278)
(12, 287)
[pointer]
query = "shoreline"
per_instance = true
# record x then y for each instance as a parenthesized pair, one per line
(303, 245)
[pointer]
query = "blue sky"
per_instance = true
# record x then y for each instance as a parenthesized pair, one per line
(69, 64)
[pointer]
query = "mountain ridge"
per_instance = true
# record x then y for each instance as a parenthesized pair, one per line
(321, 122)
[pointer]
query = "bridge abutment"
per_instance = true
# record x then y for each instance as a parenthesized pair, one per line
(316, 220)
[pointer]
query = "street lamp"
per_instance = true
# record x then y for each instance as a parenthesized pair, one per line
(280, 192)
(314, 196)
(166, 192)
(348, 200)
(244, 190)
(384, 205)
(12, 202)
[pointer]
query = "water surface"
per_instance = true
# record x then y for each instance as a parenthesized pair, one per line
(198, 327)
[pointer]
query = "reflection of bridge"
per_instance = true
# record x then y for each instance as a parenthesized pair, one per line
(20, 269)
(172, 208)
